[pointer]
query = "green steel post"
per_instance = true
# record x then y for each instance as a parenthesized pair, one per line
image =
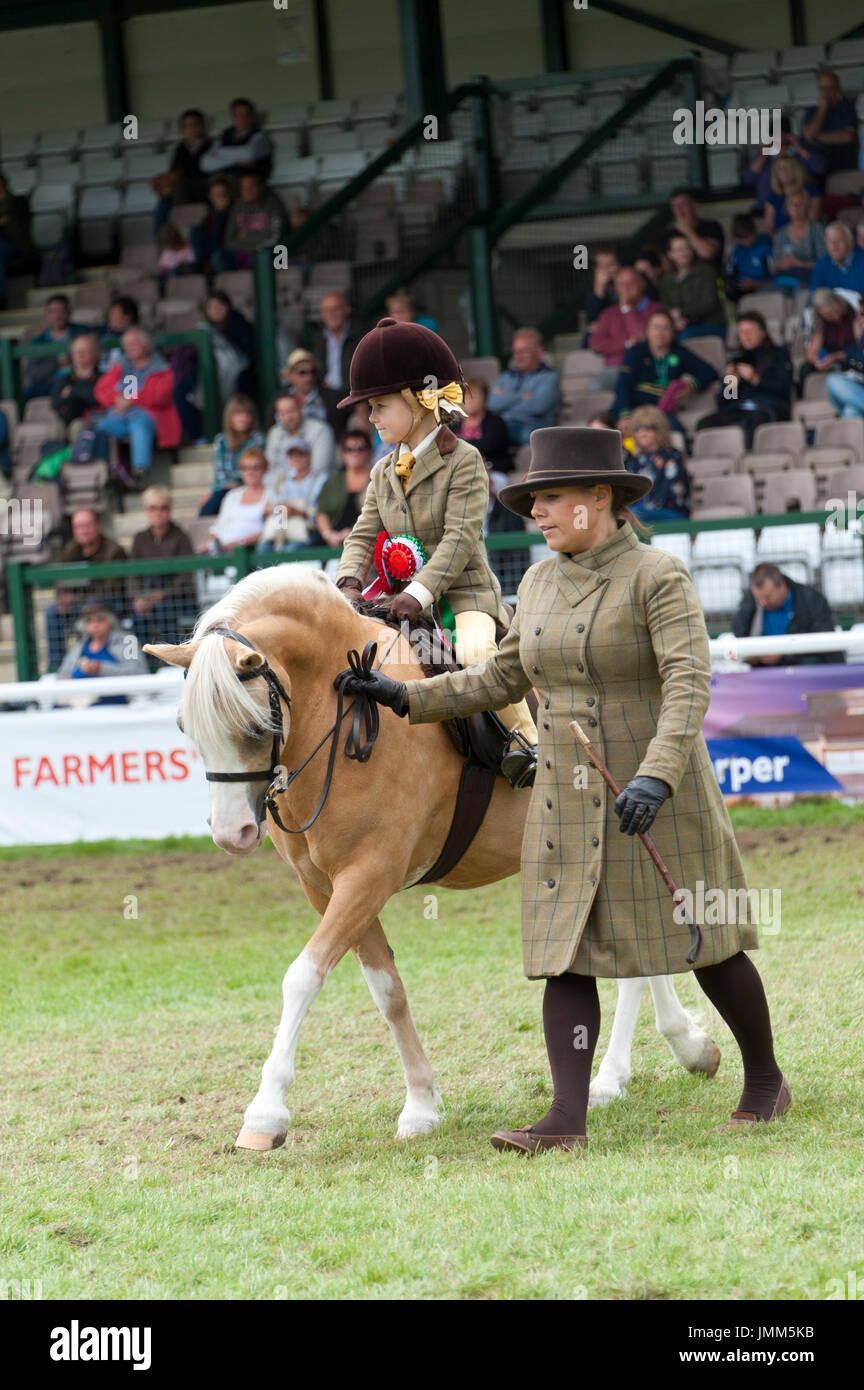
(210, 384)
(486, 166)
(21, 608)
(9, 371)
(265, 326)
(697, 155)
(482, 293)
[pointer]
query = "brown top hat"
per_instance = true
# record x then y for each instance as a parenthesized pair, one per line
(393, 356)
(572, 456)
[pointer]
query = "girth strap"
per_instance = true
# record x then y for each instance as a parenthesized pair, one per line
(476, 784)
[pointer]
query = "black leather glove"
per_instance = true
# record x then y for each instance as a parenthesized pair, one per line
(379, 688)
(638, 804)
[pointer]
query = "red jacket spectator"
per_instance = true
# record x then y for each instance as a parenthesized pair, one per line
(618, 328)
(154, 393)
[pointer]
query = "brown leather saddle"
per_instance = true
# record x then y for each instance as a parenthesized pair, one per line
(481, 740)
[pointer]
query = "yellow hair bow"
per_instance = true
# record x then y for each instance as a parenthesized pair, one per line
(430, 398)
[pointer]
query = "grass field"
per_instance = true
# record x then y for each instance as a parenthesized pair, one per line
(133, 1044)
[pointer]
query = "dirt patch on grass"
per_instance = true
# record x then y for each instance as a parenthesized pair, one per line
(792, 839)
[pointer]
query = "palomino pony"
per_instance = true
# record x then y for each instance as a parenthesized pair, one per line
(270, 696)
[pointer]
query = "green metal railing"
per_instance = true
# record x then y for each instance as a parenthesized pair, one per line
(13, 352)
(23, 578)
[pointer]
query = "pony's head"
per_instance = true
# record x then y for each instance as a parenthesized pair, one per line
(228, 710)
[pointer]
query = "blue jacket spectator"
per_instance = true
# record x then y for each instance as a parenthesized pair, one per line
(652, 365)
(39, 372)
(842, 267)
(831, 128)
(528, 396)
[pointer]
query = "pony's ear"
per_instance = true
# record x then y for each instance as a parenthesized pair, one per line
(247, 661)
(180, 655)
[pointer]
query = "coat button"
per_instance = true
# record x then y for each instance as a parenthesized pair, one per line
(548, 805)
(593, 883)
(549, 844)
(596, 801)
(536, 670)
(545, 725)
(404, 508)
(579, 666)
(548, 764)
(590, 700)
(537, 631)
(550, 883)
(593, 723)
(595, 842)
(580, 627)
(546, 706)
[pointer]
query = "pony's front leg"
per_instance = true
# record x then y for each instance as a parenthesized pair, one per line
(265, 1123)
(421, 1112)
(690, 1045)
(610, 1083)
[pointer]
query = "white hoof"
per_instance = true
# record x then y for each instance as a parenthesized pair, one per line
(419, 1117)
(262, 1124)
(695, 1051)
(604, 1089)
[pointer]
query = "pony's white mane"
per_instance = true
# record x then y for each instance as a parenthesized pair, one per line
(214, 703)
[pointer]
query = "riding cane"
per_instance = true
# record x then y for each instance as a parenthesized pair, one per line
(677, 894)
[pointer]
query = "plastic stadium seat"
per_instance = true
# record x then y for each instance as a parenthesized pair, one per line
(58, 171)
(92, 294)
(795, 548)
(144, 259)
(816, 388)
(735, 491)
(192, 287)
(846, 53)
(47, 495)
(375, 105)
(488, 369)
(720, 563)
(804, 91)
(53, 197)
(374, 135)
(58, 141)
(334, 112)
(341, 168)
(177, 315)
(326, 140)
(787, 435)
(842, 573)
(138, 198)
(676, 543)
(844, 481)
(142, 164)
(18, 147)
(287, 117)
(711, 466)
(844, 181)
(84, 485)
(40, 412)
(809, 412)
(711, 350)
(98, 211)
(100, 168)
(578, 408)
(759, 95)
(729, 439)
(804, 58)
(849, 433)
(723, 168)
(100, 137)
(754, 63)
(793, 490)
(187, 215)
(771, 304)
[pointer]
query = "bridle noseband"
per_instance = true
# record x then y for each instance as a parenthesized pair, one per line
(358, 744)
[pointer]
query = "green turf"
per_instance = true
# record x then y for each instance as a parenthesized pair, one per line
(133, 1043)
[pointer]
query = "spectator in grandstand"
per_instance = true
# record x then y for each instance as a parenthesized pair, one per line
(184, 181)
(798, 245)
(832, 331)
(163, 605)
(341, 499)
(138, 396)
(528, 394)
(703, 235)
(604, 267)
(402, 306)
(749, 265)
(233, 340)
(508, 565)
(39, 372)
(659, 371)
(657, 459)
(758, 173)
(291, 425)
(762, 374)
(830, 129)
(301, 374)
(292, 502)
(256, 218)
(208, 235)
(483, 428)
(5, 456)
(690, 291)
(621, 325)
(73, 396)
(842, 267)
(176, 254)
(775, 605)
(105, 649)
(241, 513)
(333, 343)
(122, 315)
(787, 177)
(239, 432)
(846, 385)
(89, 543)
(242, 148)
(649, 263)
(16, 246)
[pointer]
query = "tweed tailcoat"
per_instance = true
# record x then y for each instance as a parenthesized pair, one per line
(444, 506)
(614, 637)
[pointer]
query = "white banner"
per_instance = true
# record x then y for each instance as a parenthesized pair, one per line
(103, 773)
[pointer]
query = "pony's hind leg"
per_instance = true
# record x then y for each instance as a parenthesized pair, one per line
(421, 1112)
(610, 1083)
(690, 1045)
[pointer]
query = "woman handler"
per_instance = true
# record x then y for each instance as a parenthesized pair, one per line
(610, 631)
(435, 487)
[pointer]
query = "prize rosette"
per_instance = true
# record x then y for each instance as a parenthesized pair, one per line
(397, 560)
